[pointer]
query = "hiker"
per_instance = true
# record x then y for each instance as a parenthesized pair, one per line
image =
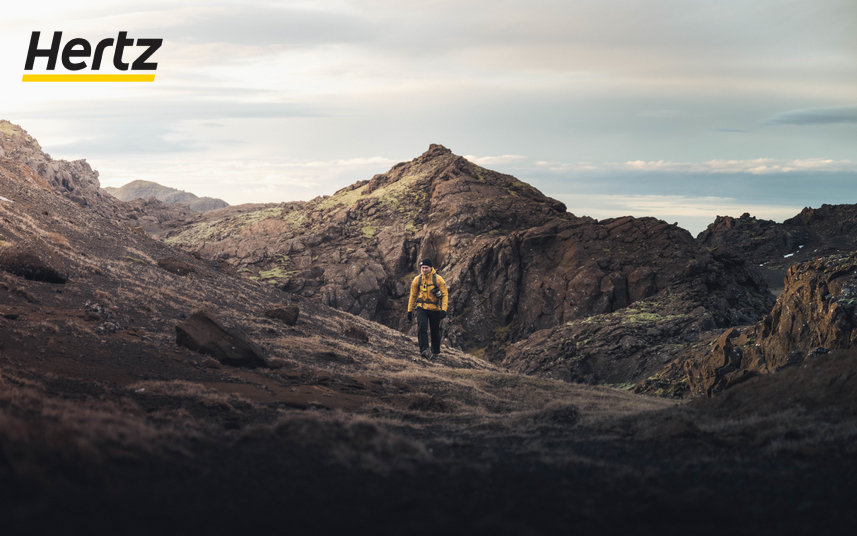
(430, 298)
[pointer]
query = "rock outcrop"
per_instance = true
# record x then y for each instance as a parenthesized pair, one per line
(21, 157)
(289, 315)
(175, 266)
(816, 313)
(33, 259)
(829, 229)
(23, 162)
(204, 333)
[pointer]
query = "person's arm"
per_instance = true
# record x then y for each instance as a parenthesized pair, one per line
(415, 287)
(445, 301)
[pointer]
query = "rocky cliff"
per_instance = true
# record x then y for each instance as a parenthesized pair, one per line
(21, 156)
(816, 313)
(829, 229)
(24, 164)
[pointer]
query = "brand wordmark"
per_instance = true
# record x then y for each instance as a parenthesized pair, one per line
(78, 54)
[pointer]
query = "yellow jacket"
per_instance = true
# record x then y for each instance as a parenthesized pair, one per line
(421, 295)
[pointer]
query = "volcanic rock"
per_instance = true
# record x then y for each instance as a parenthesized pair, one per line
(33, 260)
(175, 266)
(814, 314)
(289, 314)
(203, 333)
(357, 334)
(774, 247)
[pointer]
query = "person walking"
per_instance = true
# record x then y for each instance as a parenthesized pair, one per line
(429, 297)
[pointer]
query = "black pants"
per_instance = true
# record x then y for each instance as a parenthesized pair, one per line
(424, 320)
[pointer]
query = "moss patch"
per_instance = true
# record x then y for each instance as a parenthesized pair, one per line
(276, 273)
(368, 230)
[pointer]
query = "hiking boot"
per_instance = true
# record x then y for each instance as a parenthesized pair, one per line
(434, 357)
(426, 354)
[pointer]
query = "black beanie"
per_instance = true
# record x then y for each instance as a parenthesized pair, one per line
(426, 262)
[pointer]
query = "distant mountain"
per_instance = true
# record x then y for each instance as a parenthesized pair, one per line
(146, 189)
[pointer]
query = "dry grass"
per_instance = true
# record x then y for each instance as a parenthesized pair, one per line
(39, 432)
(352, 441)
(46, 327)
(58, 240)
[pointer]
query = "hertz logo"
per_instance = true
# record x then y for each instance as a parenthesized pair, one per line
(77, 52)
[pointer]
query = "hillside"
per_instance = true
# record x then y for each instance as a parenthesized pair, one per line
(145, 189)
(111, 424)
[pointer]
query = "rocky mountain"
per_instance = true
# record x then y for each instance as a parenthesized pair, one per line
(145, 390)
(815, 232)
(140, 189)
(816, 313)
(21, 157)
(515, 260)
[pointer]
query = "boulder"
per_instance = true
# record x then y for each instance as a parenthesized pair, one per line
(289, 315)
(357, 334)
(203, 333)
(175, 266)
(34, 260)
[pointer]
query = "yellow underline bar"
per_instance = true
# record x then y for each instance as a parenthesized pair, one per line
(88, 78)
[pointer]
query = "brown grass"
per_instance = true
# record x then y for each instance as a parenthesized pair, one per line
(352, 441)
(59, 240)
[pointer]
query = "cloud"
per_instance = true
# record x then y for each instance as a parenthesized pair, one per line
(351, 162)
(171, 110)
(815, 116)
(758, 166)
(136, 138)
(660, 114)
(494, 160)
(271, 25)
(237, 179)
(691, 213)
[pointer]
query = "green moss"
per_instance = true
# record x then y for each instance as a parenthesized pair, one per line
(369, 230)
(296, 219)
(639, 313)
(276, 273)
(218, 230)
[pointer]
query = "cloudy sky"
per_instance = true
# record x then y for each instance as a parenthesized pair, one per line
(677, 109)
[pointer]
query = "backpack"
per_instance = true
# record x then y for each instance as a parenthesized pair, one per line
(436, 292)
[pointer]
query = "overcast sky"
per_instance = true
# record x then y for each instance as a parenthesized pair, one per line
(677, 109)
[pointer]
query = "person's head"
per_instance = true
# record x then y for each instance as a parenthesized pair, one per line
(425, 266)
